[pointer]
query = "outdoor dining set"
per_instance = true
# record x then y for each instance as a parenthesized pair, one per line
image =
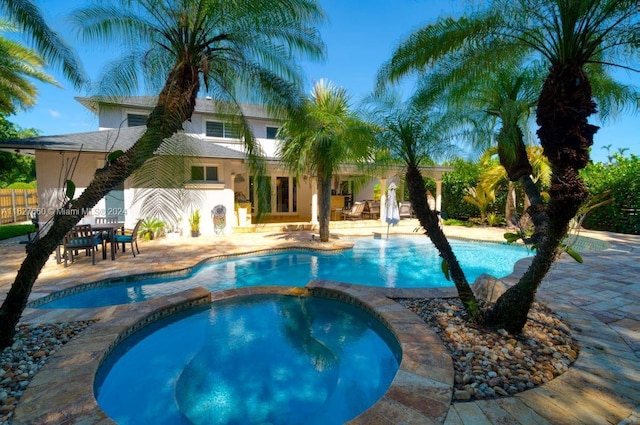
(89, 237)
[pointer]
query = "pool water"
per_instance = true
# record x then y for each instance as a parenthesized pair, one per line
(268, 359)
(400, 262)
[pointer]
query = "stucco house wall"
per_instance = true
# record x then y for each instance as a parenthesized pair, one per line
(57, 154)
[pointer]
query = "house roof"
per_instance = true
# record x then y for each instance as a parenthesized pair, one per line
(108, 140)
(203, 105)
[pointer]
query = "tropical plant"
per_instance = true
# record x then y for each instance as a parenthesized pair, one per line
(576, 40)
(229, 50)
(326, 135)
(25, 15)
(480, 197)
(151, 228)
(495, 175)
(18, 66)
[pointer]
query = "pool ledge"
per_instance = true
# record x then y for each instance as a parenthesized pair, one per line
(62, 391)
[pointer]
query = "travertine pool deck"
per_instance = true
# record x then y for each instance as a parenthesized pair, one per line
(599, 299)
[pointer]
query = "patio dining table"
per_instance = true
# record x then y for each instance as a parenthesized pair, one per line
(111, 229)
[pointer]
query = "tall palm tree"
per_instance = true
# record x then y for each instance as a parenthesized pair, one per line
(27, 16)
(326, 135)
(413, 137)
(575, 39)
(18, 65)
(227, 49)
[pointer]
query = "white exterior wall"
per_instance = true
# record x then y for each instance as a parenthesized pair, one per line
(208, 198)
(50, 171)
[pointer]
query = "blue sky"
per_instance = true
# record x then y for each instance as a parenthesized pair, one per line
(360, 36)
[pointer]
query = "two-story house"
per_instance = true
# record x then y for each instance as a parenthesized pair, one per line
(215, 169)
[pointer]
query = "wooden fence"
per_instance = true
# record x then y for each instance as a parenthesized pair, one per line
(17, 204)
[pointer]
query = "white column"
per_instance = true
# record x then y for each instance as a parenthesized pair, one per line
(314, 200)
(439, 194)
(383, 199)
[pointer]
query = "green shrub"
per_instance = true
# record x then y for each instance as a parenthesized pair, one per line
(454, 188)
(622, 178)
(22, 185)
(455, 222)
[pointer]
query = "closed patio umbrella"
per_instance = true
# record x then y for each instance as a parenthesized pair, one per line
(392, 216)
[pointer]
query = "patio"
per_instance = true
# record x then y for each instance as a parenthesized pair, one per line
(599, 299)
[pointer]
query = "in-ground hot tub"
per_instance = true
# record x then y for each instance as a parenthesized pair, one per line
(254, 359)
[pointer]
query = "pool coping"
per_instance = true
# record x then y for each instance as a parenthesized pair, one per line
(62, 392)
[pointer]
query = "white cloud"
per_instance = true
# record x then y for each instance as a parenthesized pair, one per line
(54, 114)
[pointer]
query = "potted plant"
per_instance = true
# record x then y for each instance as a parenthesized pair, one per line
(194, 223)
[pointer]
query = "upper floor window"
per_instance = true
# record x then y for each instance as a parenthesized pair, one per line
(222, 129)
(136, 120)
(204, 173)
(272, 132)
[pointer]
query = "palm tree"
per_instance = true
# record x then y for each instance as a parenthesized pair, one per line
(574, 39)
(326, 135)
(227, 49)
(27, 16)
(18, 64)
(414, 138)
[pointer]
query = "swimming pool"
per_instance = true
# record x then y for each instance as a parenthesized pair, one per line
(268, 359)
(401, 262)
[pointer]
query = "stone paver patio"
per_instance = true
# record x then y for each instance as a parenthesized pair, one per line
(599, 299)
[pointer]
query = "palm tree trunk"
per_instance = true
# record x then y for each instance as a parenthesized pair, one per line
(563, 109)
(175, 105)
(510, 205)
(429, 221)
(324, 210)
(518, 167)
(537, 210)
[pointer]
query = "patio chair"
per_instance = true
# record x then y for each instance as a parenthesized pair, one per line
(131, 237)
(406, 210)
(81, 237)
(371, 209)
(355, 213)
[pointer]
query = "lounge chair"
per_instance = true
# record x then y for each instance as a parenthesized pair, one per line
(371, 209)
(131, 237)
(81, 237)
(406, 210)
(355, 213)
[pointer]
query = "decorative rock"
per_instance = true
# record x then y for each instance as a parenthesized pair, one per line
(19, 363)
(500, 391)
(492, 364)
(461, 395)
(488, 288)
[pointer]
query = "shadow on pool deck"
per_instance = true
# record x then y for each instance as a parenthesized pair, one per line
(600, 299)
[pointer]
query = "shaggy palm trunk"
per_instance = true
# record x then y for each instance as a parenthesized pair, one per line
(429, 221)
(175, 105)
(324, 210)
(518, 168)
(564, 106)
(510, 205)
